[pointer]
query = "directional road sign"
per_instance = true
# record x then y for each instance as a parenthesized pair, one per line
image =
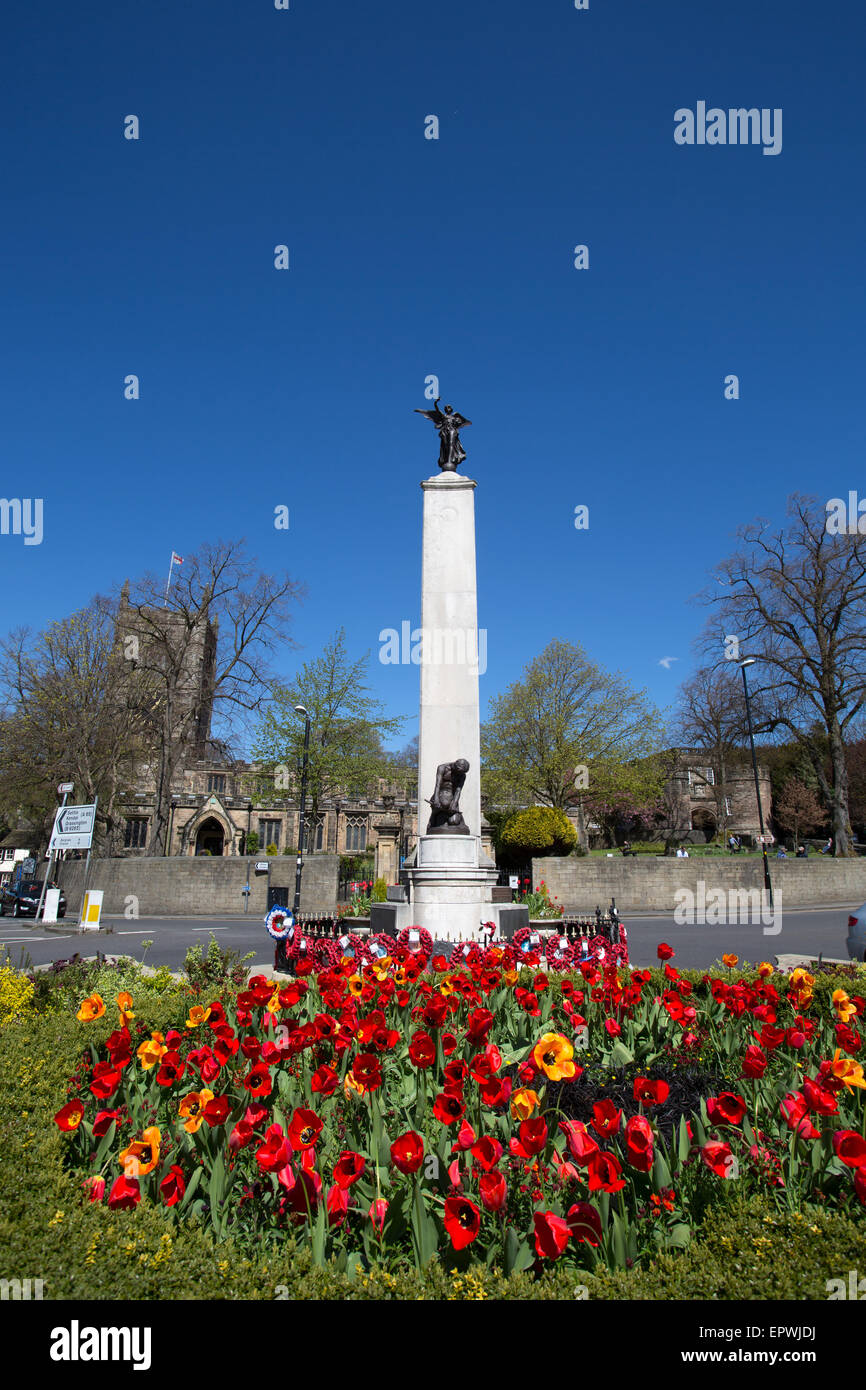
(73, 828)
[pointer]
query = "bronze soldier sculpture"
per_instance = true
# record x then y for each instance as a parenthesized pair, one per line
(448, 423)
(446, 816)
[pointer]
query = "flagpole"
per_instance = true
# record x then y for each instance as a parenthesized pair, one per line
(168, 581)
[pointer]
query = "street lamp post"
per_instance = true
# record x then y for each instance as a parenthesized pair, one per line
(750, 661)
(299, 709)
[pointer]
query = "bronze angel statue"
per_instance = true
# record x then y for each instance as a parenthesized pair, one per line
(448, 423)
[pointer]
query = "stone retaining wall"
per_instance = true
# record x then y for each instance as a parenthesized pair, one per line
(185, 887)
(650, 883)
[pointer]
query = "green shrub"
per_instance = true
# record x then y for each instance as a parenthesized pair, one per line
(252, 842)
(380, 891)
(217, 969)
(538, 831)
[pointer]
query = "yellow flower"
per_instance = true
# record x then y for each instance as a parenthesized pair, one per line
(553, 1054)
(151, 1051)
(843, 1006)
(350, 1085)
(511, 977)
(142, 1156)
(801, 979)
(765, 969)
(191, 1109)
(124, 1004)
(523, 1102)
(848, 1071)
(273, 1005)
(197, 1016)
(356, 985)
(92, 1007)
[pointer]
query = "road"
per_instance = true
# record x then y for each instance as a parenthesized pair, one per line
(806, 931)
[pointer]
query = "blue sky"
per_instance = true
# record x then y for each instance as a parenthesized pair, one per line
(411, 257)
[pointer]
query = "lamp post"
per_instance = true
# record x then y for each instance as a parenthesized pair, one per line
(750, 661)
(299, 709)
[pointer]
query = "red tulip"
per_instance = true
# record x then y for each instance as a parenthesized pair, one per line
(639, 1143)
(584, 1223)
(726, 1108)
(407, 1152)
(650, 1092)
(124, 1193)
(718, 1158)
(462, 1221)
(493, 1190)
(850, 1147)
(377, 1213)
(173, 1185)
(606, 1118)
(69, 1118)
(581, 1145)
(349, 1168)
(551, 1235)
(605, 1173)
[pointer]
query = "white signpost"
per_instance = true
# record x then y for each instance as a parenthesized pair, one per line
(52, 905)
(73, 828)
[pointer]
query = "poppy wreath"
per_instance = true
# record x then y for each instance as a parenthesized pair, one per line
(558, 953)
(467, 953)
(380, 947)
(325, 953)
(424, 942)
(527, 948)
(350, 946)
(280, 923)
(301, 947)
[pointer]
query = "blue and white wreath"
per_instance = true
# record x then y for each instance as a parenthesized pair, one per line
(280, 923)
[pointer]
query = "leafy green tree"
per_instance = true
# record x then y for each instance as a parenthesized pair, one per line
(539, 830)
(567, 734)
(347, 728)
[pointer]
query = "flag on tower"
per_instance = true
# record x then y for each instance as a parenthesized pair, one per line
(176, 559)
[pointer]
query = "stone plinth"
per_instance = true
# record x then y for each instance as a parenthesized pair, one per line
(448, 726)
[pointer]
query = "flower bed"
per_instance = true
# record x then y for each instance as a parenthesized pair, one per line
(481, 1110)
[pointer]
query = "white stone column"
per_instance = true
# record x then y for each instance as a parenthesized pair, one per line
(448, 726)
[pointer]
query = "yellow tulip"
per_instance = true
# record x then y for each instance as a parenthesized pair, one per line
(552, 1055)
(523, 1103)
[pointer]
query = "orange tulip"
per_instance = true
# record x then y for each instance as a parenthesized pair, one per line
(142, 1156)
(191, 1109)
(92, 1007)
(848, 1071)
(730, 961)
(197, 1016)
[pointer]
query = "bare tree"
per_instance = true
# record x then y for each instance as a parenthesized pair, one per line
(711, 718)
(796, 600)
(69, 715)
(206, 645)
(798, 808)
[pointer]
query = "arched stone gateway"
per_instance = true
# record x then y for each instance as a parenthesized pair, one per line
(704, 823)
(210, 838)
